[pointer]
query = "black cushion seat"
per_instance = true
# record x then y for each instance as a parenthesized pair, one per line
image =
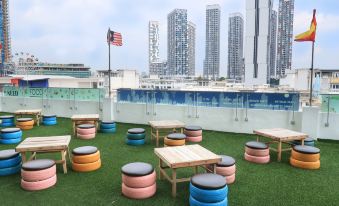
(36, 165)
(176, 136)
(193, 128)
(85, 150)
(136, 131)
(137, 169)
(226, 161)
(26, 119)
(49, 115)
(86, 126)
(208, 181)
(256, 145)
(7, 117)
(10, 130)
(108, 122)
(306, 149)
(8, 154)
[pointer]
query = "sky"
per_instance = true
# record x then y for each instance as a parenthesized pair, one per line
(74, 31)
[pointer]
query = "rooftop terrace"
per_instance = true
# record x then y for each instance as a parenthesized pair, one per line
(273, 184)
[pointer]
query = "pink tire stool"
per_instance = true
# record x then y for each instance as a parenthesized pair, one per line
(138, 193)
(257, 152)
(138, 180)
(227, 168)
(86, 131)
(38, 174)
(193, 133)
(230, 179)
(86, 136)
(39, 185)
(259, 159)
(194, 139)
(226, 171)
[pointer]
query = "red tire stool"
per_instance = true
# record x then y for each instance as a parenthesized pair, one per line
(138, 180)
(86, 159)
(86, 131)
(257, 152)
(193, 133)
(38, 174)
(175, 139)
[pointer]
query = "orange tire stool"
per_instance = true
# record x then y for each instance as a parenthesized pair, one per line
(86, 159)
(38, 174)
(138, 180)
(305, 157)
(175, 139)
(25, 123)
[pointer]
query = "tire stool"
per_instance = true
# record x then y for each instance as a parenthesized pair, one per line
(86, 159)
(175, 139)
(208, 190)
(49, 120)
(25, 123)
(107, 127)
(7, 121)
(135, 136)
(193, 133)
(10, 162)
(308, 142)
(86, 131)
(38, 174)
(257, 152)
(10, 136)
(305, 157)
(138, 180)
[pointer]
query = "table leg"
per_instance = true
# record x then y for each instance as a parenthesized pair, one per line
(214, 169)
(160, 168)
(257, 138)
(63, 158)
(23, 157)
(182, 130)
(157, 136)
(96, 125)
(279, 151)
(73, 122)
(174, 182)
(302, 142)
(196, 170)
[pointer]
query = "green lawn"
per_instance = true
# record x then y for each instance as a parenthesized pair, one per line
(272, 184)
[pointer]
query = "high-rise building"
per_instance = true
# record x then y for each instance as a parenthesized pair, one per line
(5, 38)
(235, 46)
(177, 46)
(153, 47)
(285, 36)
(257, 42)
(191, 48)
(273, 44)
(212, 45)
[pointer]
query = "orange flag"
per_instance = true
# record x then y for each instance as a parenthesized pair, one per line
(310, 34)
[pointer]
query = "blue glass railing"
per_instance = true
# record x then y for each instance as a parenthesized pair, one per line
(251, 100)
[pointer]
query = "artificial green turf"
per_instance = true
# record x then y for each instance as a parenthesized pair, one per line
(272, 184)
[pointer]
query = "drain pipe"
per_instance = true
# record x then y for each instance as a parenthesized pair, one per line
(236, 109)
(327, 124)
(293, 120)
(246, 108)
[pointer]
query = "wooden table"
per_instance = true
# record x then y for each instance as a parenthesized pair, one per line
(157, 126)
(183, 156)
(35, 112)
(279, 135)
(45, 145)
(80, 118)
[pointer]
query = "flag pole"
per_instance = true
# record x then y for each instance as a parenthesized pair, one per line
(311, 87)
(109, 63)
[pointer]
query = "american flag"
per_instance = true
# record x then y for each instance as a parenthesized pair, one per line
(114, 38)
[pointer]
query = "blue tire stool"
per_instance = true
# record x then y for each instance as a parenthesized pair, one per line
(308, 142)
(108, 127)
(10, 162)
(49, 120)
(208, 190)
(10, 136)
(7, 121)
(135, 136)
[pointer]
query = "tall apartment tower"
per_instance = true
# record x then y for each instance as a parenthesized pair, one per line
(191, 48)
(285, 36)
(177, 43)
(273, 44)
(5, 38)
(235, 46)
(153, 47)
(257, 41)
(212, 46)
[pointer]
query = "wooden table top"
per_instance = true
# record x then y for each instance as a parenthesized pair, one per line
(186, 156)
(28, 111)
(44, 143)
(281, 134)
(85, 117)
(166, 124)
